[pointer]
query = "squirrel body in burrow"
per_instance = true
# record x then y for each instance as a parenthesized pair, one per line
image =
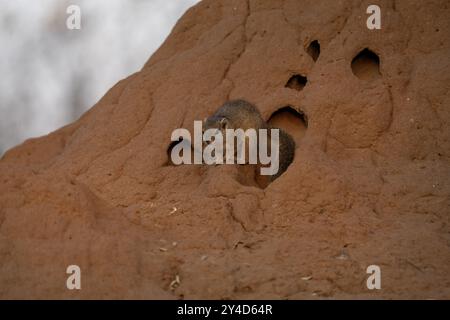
(240, 114)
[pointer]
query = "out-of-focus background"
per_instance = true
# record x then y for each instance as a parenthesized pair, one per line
(50, 75)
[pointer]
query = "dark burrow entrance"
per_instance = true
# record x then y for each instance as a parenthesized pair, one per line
(314, 50)
(170, 148)
(366, 65)
(296, 82)
(169, 152)
(290, 120)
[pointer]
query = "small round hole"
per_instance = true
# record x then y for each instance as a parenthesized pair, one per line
(291, 121)
(296, 82)
(366, 65)
(169, 152)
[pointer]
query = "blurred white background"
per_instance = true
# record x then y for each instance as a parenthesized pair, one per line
(50, 75)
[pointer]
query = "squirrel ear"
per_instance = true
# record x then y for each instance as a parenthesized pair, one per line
(223, 123)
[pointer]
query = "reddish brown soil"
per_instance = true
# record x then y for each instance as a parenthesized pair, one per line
(369, 183)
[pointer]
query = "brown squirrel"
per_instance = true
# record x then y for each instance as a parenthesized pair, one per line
(240, 114)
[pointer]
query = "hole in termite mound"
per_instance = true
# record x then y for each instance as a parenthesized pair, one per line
(314, 50)
(366, 65)
(179, 143)
(296, 82)
(292, 121)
